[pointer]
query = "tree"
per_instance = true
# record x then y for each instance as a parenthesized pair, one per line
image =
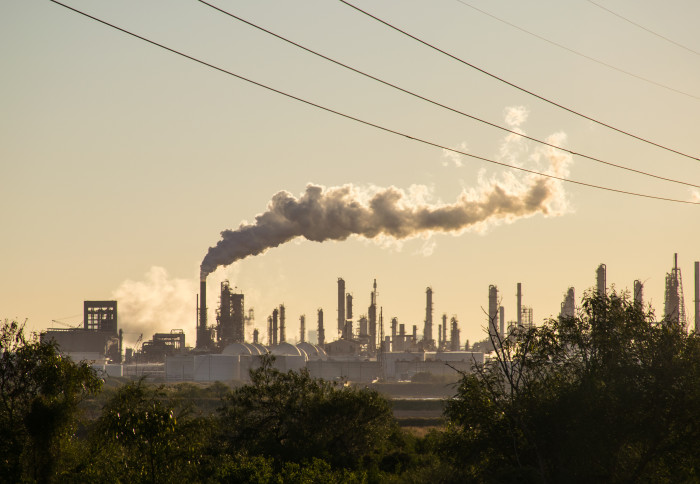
(292, 417)
(608, 395)
(40, 392)
(140, 438)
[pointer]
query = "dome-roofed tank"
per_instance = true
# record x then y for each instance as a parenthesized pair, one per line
(237, 349)
(255, 349)
(313, 351)
(285, 349)
(262, 350)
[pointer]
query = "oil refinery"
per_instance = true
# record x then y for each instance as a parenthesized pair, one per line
(364, 348)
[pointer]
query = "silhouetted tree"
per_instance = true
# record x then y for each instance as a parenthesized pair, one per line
(141, 438)
(606, 396)
(39, 395)
(292, 417)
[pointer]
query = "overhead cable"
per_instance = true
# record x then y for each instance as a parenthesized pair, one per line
(644, 28)
(373, 125)
(436, 103)
(522, 89)
(568, 49)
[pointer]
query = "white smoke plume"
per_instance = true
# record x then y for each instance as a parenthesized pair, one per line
(156, 304)
(337, 213)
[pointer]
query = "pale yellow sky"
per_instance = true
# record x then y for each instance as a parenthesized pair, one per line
(122, 163)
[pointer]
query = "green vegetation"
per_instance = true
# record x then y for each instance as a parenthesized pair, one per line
(607, 396)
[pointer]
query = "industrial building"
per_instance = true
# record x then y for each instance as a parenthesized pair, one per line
(363, 350)
(98, 340)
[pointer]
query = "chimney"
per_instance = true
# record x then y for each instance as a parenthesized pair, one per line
(520, 305)
(202, 335)
(275, 314)
(321, 332)
(341, 305)
(502, 321)
(428, 328)
(697, 296)
(283, 319)
(601, 280)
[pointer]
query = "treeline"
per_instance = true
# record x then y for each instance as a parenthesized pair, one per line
(609, 395)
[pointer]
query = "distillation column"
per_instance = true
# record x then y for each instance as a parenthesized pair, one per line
(428, 329)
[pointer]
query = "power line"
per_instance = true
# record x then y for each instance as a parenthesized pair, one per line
(644, 28)
(367, 123)
(580, 54)
(522, 89)
(423, 98)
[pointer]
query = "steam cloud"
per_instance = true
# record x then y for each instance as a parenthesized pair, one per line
(336, 213)
(155, 305)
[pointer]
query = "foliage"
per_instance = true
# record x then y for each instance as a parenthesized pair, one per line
(608, 395)
(40, 391)
(292, 417)
(140, 438)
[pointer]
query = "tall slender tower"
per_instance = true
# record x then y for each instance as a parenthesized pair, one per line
(601, 279)
(444, 329)
(454, 336)
(568, 307)
(493, 312)
(302, 328)
(341, 305)
(283, 323)
(321, 332)
(428, 329)
(638, 293)
(372, 316)
(269, 331)
(203, 334)
(502, 321)
(275, 315)
(348, 316)
(519, 296)
(697, 296)
(674, 305)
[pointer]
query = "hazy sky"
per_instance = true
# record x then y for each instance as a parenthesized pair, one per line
(121, 163)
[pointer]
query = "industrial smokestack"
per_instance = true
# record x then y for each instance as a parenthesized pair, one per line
(269, 331)
(302, 328)
(568, 307)
(348, 306)
(444, 329)
(283, 320)
(493, 312)
(673, 299)
(638, 294)
(601, 280)
(520, 305)
(341, 305)
(502, 321)
(275, 314)
(454, 335)
(321, 331)
(372, 315)
(202, 332)
(697, 297)
(336, 213)
(428, 329)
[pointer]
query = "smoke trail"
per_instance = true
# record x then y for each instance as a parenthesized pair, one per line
(336, 213)
(155, 304)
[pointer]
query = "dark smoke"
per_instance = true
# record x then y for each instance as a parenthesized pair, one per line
(336, 213)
